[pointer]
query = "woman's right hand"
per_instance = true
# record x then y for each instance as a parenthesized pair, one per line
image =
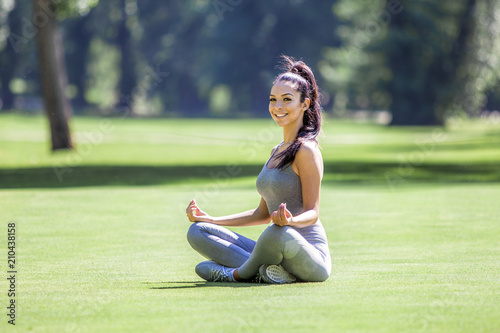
(195, 214)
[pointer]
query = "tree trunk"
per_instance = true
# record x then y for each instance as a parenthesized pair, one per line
(128, 80)
(7, 74)
(460, 56)
(78, 59)
(8, 60)
(413, 99)
(53, 76)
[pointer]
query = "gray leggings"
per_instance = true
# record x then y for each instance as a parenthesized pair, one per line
(303, 252)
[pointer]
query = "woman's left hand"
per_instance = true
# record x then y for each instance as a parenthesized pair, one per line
(282, 216)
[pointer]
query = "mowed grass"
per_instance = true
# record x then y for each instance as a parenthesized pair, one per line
(411, 214)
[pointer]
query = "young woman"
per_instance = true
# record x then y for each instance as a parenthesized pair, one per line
(294, 247)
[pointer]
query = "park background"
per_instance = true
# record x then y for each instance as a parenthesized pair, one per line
(114, 114)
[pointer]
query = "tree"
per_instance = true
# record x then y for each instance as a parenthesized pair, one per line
(436, 73)
(52, 65)
(175, 45)
(79, 33)
(476, 55)
(416, 59)
(8, 57)
(128, 80)
(52, 73)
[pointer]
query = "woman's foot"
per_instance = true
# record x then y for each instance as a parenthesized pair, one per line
(213, 272)
(275, 274)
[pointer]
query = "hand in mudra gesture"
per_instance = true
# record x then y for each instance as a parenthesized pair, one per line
(282, 216)
(195, 214)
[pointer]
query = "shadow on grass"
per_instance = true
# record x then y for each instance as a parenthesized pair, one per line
(394, 173)
(335, 172)
(201, 284)
(79, 176)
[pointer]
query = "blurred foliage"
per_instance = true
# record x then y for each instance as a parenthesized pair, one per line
(421, 60)
(69, 8)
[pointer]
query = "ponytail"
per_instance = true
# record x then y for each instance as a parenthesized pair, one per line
(301, 77)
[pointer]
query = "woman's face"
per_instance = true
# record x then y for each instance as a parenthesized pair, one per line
(285, 106)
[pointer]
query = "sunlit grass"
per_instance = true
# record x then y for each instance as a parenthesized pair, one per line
(115, 259)
(346, 145)
(104, 249)
(114, 141)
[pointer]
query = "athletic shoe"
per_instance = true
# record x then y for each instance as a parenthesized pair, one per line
(213, 272)
(275, 274)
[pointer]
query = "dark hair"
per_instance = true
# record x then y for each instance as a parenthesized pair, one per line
(302, 79)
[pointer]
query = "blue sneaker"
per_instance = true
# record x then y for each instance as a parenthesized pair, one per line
(213, 272)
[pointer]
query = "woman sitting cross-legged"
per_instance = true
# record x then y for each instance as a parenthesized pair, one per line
(294, 247)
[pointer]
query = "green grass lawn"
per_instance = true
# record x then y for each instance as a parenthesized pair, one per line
(412, 216)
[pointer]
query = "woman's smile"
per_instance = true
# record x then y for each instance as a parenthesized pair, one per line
(285, 106)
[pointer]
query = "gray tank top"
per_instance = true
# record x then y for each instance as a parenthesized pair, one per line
(280, 186)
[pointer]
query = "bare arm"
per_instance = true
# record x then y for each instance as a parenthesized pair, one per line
(308, 164)
(257, 216)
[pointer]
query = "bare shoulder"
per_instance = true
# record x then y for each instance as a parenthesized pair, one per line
(308, 158)
(309, 150)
